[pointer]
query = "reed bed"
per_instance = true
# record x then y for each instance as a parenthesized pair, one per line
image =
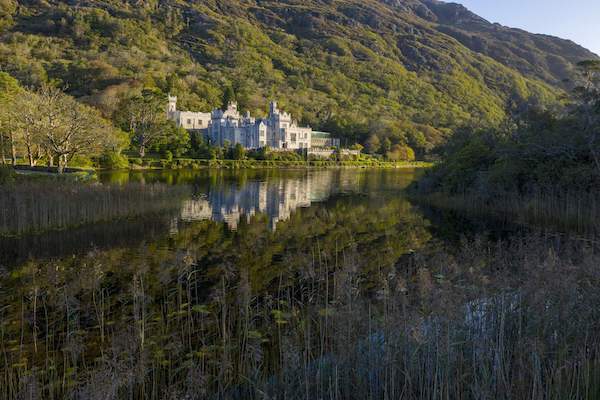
(486, 320)
(555, 209)
(531, 334)
(43, 206)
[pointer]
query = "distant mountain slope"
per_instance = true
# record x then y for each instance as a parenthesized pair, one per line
(405, 70)
(538, 56)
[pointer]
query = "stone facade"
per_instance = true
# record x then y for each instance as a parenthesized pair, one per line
(191, 121)
(279, 130)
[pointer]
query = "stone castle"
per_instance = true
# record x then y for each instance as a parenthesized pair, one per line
(279, 130)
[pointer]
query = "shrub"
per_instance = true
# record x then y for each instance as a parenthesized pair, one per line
(81, 162)
(113, 160)
(82, 176)
(401, 153)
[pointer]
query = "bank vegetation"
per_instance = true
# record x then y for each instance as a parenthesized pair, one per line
(541, 164)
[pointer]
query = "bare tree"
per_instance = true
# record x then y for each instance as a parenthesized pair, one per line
(25, 118)
(70, 128)
(7, 139)
(9, 90)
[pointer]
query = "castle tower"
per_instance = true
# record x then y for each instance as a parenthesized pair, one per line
(172, 106)
(273, 108)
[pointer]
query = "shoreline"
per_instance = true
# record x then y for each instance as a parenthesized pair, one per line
(193, 164)
(271, 164)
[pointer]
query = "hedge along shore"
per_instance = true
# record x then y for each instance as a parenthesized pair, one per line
(183, 163)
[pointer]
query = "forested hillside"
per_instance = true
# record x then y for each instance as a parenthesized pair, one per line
(380, 72)
(534, 151)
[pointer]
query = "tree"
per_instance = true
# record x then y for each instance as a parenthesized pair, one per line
(70, 128)
(228, 97)
(373, 144)
(144, 116)
(386, 146)
(401, 153)
(27, 124)
(175, 140)
(417, 140)
(9, 90)
(238, 152)
(48, 123)
(263, 153)
(226, 151)
(587, 96)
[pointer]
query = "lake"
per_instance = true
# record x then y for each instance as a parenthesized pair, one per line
(288, 284)
(260, 197)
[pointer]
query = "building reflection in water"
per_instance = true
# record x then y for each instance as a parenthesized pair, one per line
(277, 198)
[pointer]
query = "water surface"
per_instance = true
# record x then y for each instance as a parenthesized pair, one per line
(209, 288)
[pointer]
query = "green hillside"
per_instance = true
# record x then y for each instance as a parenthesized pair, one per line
(366, 70)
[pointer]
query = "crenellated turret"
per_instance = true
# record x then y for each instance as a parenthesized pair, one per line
(273, 108)
(172, 106)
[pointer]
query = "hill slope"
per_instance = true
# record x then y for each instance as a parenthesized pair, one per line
(537, 56)
(418, 68)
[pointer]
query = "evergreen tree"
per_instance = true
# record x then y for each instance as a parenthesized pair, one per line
(228, 97)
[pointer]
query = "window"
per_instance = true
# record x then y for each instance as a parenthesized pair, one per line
(293, 137)
(189, 121)
(200, 122)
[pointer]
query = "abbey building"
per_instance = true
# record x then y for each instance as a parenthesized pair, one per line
(278, 131)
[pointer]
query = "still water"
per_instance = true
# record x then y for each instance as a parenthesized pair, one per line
(207, 296)
(232, 200)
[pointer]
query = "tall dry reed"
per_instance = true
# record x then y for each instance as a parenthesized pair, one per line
(554, 209)
(38, 207)
(513, 319)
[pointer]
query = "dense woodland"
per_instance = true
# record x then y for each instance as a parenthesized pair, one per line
(534, 149)
(386, 74)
